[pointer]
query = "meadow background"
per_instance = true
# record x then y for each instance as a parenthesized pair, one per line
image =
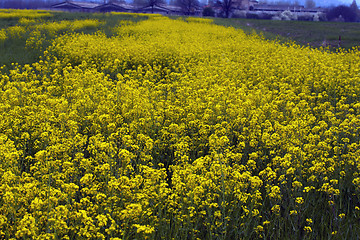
(133, 126)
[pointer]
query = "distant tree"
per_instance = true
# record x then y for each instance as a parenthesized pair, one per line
(347, 13)
(282, 2)
(226, 6)
(208, 12)
(41, 4)
(52, 2)
(17, 4)
(354, 5)
(29, 4)
(139, 2)
(148, 3)
(211, 2)
(188, 6)
(310, 4)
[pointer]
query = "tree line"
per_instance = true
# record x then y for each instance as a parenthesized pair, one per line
(339, 13)
(26, 4)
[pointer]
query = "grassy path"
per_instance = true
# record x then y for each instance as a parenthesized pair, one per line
(304, 33)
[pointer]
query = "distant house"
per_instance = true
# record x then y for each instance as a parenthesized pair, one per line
(154, 9)
(281, 8)
(174, 10)
(277, 8)
(245, 4)
(75, 6)
(112, 6)
(314, 10)
(160, 9)
(115, 7)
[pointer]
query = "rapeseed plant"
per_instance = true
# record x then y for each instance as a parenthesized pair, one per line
(177, 129)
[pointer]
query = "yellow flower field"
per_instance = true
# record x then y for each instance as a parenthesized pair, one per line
(177, 129)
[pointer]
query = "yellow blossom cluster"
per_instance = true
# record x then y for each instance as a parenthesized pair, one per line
(179, 129)
(2, 36)
(37, 32)
(19, 13)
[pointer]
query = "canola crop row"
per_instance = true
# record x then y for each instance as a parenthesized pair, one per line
(36, 32)
(174, 129)
(6, 14)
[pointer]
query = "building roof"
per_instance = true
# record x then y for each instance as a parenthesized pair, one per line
(115, 6)
(76, 4)
(269, 7)
(293, 8)
(318, 9)
(160, 8)
(172, 8)
(155, 7)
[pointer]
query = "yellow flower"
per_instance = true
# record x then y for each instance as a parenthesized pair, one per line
(139, 125)
(293, 212)
(297, 184)
(276, 209)
(259, 229)
(146, 229)
(275, 192)
(299, 200)
(102, 220)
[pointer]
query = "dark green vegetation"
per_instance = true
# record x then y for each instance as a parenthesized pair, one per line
(315, 34)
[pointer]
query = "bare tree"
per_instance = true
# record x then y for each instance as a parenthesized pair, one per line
(148, 3)
(354, 5)
(342, 12)
(310, 4)
(29, 4)
(14, 4)
(226, 6)
(283, 3)
(188, 6)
